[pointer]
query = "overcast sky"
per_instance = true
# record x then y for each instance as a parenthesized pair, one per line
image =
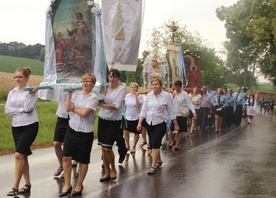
(24, 21)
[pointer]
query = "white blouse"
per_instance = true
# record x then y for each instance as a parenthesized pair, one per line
(113, 97)
(132, 111)
(152, 114)
(195, 99)
(61, 112)
(21, 105)
(182, 100)
(79, 123)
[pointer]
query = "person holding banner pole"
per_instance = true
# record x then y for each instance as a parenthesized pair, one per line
(110, 124)
(60, 130)
(21, 105)
(79, 135)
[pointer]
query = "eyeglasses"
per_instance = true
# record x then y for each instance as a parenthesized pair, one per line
(18, 77)
(86, 81)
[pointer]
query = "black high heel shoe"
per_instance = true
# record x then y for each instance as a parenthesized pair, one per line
(68, 192)
(77, 193)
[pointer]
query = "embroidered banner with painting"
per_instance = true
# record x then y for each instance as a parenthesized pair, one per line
(173, 51)
(73, 46)
(122, 31)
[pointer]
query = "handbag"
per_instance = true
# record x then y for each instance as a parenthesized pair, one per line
(185, 112)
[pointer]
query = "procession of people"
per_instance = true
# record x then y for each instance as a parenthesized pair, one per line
(159, 111)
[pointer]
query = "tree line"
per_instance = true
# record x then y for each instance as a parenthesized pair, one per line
(18, 49)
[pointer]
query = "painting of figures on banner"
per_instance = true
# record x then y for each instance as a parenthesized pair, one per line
(192, 66)
(72, 30)
(122, 31)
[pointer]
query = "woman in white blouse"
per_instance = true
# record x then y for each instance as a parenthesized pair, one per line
(157, 109)
(181, 100)
(110, 121)
(195, 98)
(79, 136)
(133, 103)
(21, 105)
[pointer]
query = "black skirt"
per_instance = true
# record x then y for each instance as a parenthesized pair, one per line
(60, 130)
(78, 145)
(24, 137)
(131, 126)
(108, 131)
(156, 133)
(182, 123)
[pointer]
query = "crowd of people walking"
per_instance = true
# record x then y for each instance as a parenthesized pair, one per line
(153, 114)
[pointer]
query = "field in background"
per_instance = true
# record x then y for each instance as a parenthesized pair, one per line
(7, 83)
(9, 64)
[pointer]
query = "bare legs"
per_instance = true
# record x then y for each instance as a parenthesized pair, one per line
(218, 123)
(126, 136)
(109, 163)
(67, 168)
(58, 151)
(144, 134)
(21, 168)
(193, 126)
(155, 157)
(135, 140)
(175, 140)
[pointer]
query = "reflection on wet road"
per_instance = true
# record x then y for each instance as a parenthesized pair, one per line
(236, 163)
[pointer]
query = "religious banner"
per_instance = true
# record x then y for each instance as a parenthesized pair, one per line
(72, 29)
(192, 66)
(176, 61)
(122, 31)
(155, 65)
(73, 47)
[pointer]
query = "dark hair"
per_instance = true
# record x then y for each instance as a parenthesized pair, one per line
(79, 15)
(178, 83)
(114, 73)
(26, 71)
(252, 96)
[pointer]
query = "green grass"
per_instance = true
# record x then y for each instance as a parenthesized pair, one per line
(9, 64)
(47, 119)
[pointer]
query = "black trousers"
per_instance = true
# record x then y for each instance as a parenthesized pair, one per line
(238, 115)
(228, 116)
(202, 119)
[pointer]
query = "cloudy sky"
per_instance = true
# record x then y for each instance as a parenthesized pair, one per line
(24, 21)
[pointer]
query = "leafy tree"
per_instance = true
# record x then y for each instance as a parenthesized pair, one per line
(250, 27)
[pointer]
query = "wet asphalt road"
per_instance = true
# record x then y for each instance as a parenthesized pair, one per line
(240, 162)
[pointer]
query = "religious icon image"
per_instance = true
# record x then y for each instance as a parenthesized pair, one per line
(191, 70)
(118, 24)
(79, 43)
(175, 71)
(60, 50)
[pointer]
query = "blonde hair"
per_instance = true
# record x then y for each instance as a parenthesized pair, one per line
(90, 76)
(135, 84)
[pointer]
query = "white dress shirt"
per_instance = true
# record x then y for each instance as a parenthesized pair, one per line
(79, 123)
(113, 97)
(61, 112)
(182, 100)
(21, 105)
(132, 111)
(152, 115)
(195, 99)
